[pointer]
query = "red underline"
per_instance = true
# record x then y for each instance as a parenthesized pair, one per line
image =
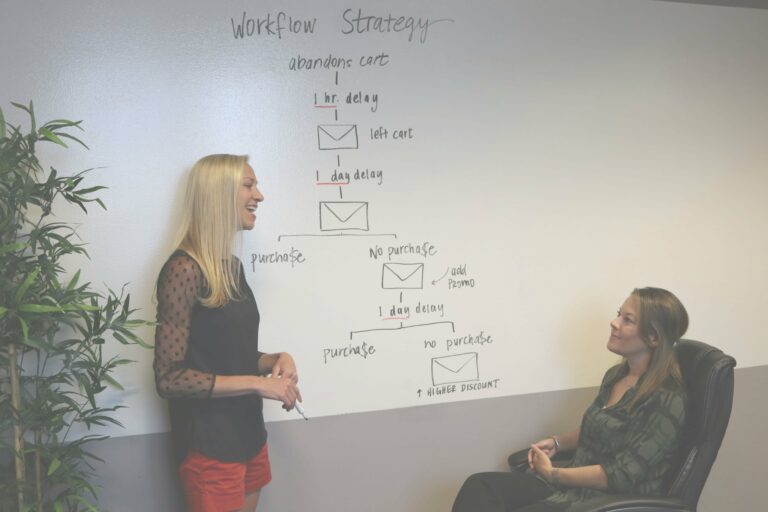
(325, 106)
(339, 184)
(397, 318)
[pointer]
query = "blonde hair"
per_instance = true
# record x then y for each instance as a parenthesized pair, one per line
(663, 320)
(210, 223)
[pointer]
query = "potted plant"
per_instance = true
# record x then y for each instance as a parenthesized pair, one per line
(53, 329)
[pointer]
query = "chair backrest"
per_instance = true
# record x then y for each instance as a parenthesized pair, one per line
(708, 375)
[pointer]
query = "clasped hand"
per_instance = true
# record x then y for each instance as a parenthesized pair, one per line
(283, 380)
(285, 368)
(539, 457)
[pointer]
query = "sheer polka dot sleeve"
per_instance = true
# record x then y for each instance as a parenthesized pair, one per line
(178, 287)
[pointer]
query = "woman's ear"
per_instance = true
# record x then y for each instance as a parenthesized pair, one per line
(653, 335)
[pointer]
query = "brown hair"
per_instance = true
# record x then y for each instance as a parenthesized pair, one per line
(663, 320)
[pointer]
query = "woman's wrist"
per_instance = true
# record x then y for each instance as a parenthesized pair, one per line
(557, 444)
(266, 362)
(235, 385)
(256, 383)
(555, 476)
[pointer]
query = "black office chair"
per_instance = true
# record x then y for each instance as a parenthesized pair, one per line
(708, 375)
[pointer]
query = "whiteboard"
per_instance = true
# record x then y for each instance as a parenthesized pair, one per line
(458, 194)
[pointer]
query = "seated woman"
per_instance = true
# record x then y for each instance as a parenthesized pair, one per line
(629, 435)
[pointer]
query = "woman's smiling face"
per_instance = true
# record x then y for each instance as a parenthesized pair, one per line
(625, 337)
(248, 198)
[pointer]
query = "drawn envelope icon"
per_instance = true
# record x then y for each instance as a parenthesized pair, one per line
(343, 215)
(402, 276)
(455, 368)
(337, 136)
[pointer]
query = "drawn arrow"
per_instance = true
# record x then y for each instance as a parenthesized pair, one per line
(438, 280)
(419, 393)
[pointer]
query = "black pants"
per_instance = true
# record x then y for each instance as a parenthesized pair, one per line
(504, 492)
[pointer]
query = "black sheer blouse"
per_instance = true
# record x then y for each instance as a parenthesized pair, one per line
(194, 344)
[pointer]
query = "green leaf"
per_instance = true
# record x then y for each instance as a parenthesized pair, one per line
(36, 343)
(57, 124)
(3, 311)
(22, 107)
(39, 308)
(32, 116)
(2, 124)
(73, 281)
(132, 324)
(48, 134)
(57, 507)
(120, 362)
(24, 328)
(12, 247)
(128, 338)
(102, 420)
(71, 137)
(84, 191)
(25, 285)
(55, 463)
(112, 382)
(85, 502)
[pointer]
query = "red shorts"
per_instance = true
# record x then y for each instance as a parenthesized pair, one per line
(214, 486)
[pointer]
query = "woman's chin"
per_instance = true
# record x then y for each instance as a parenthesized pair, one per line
(248, 223)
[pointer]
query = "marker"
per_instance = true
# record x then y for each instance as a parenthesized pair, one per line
(300, 410)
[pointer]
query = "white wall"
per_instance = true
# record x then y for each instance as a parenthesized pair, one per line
(564, 152)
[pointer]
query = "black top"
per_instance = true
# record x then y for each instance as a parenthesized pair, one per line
(194, 344)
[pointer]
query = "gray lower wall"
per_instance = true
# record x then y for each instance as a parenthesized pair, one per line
(415, 459)
(755, 4)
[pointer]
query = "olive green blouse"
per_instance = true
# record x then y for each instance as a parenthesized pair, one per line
(635, 448)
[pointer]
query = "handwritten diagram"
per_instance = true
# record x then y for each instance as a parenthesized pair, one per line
(402, 276)
(406, 307)
(455, 368)
(343, 216)
(337, 136)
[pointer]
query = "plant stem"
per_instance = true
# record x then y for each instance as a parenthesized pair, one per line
(18, 437)
(38, 472)
(38, 444)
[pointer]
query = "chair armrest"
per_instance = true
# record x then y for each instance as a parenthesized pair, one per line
(629, 503)
(519, 460)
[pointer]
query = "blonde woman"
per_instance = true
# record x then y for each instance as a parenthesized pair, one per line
(207, 359)
(628, 437)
